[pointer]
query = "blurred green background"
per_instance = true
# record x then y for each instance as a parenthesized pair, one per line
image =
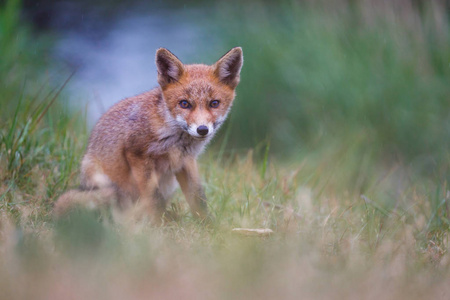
(366, 80)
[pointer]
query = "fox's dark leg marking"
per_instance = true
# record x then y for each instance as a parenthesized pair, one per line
(146, 180)
(189, 181)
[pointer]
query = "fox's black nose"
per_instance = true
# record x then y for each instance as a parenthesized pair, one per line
(202, 130)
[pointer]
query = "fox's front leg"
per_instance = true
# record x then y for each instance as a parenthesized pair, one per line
(190, 184)
(146, 180)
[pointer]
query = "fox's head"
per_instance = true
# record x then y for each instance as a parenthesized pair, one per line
(198, 96)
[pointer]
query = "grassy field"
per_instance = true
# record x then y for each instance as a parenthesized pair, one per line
(351, 172)
(325, 243)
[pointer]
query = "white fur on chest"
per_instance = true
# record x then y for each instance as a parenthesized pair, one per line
(177, 141)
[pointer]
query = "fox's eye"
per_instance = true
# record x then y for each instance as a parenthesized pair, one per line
(214, 103)
(185, 104)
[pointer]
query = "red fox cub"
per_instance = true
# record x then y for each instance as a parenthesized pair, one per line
(143, 145)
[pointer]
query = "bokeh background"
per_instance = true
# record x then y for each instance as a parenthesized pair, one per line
(370, 77)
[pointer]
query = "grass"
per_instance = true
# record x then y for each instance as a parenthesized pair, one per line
(350, 219)
(374, 74)
(345, 246)
(39, 137)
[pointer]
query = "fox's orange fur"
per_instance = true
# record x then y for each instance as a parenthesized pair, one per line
(144, 145)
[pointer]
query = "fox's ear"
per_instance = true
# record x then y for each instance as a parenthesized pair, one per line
(228, 68)
(169, 67)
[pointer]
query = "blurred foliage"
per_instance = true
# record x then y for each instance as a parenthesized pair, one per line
(365, 78)
(20, 55)
(370, 74)
(38, 135)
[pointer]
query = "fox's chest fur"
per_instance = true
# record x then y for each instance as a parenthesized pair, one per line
(175, 140)
(170, 152)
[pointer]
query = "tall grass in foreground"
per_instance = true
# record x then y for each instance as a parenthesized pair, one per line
(324, 246)
(38, 137)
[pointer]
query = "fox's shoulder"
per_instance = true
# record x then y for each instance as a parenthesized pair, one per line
(137, 115)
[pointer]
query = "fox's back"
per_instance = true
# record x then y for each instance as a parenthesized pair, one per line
(132, 121)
